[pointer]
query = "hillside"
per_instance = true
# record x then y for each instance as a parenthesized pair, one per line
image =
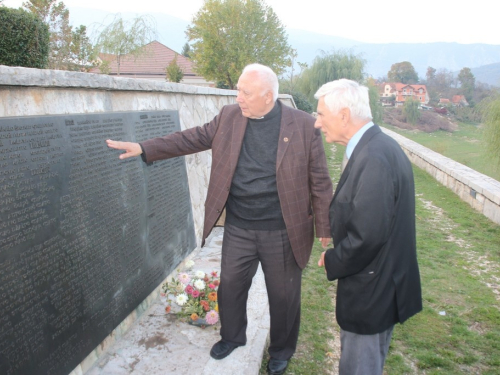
(489, 74)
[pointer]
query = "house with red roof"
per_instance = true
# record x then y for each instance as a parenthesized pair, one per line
(150, 65)
(459, 101)
(402, 91)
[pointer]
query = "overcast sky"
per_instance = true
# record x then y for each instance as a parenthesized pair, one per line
(369, 21)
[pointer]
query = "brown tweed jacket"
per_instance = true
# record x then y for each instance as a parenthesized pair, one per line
(301, 171)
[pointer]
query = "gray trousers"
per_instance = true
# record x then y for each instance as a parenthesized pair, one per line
(363, 354)
(242, 250)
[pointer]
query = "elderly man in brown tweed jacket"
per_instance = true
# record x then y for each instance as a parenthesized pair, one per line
(269, 171)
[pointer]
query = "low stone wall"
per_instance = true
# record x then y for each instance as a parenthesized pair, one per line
(478, 190)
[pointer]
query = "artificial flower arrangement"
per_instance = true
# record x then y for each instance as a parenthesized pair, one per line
(195, 294)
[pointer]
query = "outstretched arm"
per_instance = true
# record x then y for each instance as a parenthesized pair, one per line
(132, 149)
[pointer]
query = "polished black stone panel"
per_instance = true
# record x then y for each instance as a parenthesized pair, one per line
(84, 236)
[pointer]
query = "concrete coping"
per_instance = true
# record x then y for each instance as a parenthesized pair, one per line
(31, 77)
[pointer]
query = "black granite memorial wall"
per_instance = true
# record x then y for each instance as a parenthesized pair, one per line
(84, 236)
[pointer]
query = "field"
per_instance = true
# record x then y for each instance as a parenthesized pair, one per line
(465, 145)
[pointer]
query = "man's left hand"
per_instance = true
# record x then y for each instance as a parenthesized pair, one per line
(321, 261)
(325, 241)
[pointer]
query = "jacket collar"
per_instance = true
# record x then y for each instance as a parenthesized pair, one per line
(365, 139)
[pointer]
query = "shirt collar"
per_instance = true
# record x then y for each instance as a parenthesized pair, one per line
(353, 142)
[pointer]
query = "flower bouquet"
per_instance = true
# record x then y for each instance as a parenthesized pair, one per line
(196, 295)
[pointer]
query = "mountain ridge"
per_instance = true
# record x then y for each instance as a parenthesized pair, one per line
(479, 58)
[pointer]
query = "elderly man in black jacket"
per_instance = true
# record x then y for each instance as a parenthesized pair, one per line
(372, 219)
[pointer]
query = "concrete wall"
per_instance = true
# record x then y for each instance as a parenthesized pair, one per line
(34, 92)
(478, 190)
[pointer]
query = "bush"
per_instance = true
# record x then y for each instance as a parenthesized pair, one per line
(24, 39)
(411, 111)
(300, 100)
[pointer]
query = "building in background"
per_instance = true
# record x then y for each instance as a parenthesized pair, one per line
(151, 65)
(396, 93)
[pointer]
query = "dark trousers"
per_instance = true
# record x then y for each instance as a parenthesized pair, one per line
(242, 250)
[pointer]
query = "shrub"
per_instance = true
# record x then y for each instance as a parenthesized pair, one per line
(24, 39)
(300, 100)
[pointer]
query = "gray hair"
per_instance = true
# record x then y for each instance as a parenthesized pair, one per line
(344, 93)
(267, 76)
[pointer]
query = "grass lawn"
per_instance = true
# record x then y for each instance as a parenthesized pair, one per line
(465, 146)
(458, 331)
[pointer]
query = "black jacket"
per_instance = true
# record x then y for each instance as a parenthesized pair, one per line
(372, 219)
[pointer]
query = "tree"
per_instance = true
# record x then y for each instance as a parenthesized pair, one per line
(467, 83)
(56, 16)
(374, 97)
(431, 74)
(490, 109)
(227, 35)
(403, 72)
(186, 50)
(329, 67)
(411, 111)
(174, 71)
(25, 39)
(130, 37)
(288, 81)
(82, 55)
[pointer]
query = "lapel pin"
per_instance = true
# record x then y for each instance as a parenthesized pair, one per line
(285, 139)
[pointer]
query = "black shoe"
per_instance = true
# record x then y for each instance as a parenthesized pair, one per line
(222, 349)
(276, 366)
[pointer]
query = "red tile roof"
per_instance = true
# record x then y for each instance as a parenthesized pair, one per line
(153, 63)
(458, 99)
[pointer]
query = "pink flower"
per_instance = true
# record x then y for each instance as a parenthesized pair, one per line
(189, 289)
(211, 286)
(195, 293)
(214, 273)
(184, 278)
(162, 294)
(212, 317)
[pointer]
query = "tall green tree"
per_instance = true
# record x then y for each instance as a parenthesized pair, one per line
(186, 50)
(174, 71)
(374, 97)
(329, 67)
(431, 74)
(56, 16)
(411, 111)
(227, 35)
(490, 110)
(403, 72)
(467, 83)
(126, 37)
(82, 51)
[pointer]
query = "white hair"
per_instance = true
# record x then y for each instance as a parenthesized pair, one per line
(267, 76)
(344, 93)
